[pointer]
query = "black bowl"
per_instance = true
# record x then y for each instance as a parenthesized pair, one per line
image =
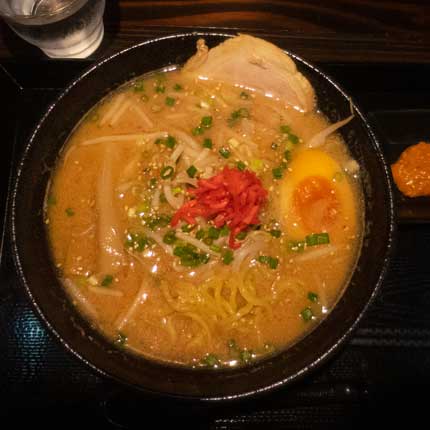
(36, 272)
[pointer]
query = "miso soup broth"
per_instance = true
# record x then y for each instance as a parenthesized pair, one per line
(190, 222)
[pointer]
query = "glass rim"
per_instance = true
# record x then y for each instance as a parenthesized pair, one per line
(66, 9)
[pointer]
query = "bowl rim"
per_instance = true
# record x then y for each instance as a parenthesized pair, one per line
(334, 345)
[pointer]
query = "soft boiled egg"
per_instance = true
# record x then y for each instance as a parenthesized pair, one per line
(316, 196)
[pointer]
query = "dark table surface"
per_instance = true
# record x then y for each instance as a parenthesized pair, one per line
(380, 53)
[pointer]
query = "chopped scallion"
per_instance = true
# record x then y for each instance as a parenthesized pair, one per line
(313, 297)
(206, 122)
(215, 248)
(167, 172)
(170, 141)
(200, 234)
(272, 262)
(70, 212)
(177, 190)
(214, 232)
(158, 221)
(245, 356)
(293, 139)
(317, 239)
(137, 242)
(278, 172)
(138, 86)
(170, 101)
(241, 235)
(225, 231)
(224, 152)
(177, 87)
(170, 237)
(107, 280)
(189, 256)
(210, 360)
(276, 233)
(241, 165)
(296, 246)
(153, 183)
(207, 143)
(197, 131)
(237, 115)
(228, 257)
(208, 241)
(307, 314)
(191, 171)
(256, 165)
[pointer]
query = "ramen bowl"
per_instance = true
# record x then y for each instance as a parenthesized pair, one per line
(32, 255)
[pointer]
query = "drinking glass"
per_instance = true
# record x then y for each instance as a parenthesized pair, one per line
(60, 28)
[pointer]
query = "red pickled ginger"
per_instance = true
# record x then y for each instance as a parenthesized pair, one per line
(232, 197)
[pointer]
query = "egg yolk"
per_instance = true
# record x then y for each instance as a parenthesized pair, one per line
(315, 195)
(316, 203)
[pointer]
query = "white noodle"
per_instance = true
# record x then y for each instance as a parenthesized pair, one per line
(139, 298)
(69, 151)
(197, 243)
(319, 138)
(183, 178)
(248, 127)
(112, 110)
(317, 253)
(86, 231)
(177, 153)
(145, 119)
(77, 295)
(115, 118)
(207, 173)
(190, 153)
(202, 156)
(157, 238)
(122, 188)
(125, 137)
(105, 291)
(175, 202)
(188, 141)
(130, 170)
(254, 243)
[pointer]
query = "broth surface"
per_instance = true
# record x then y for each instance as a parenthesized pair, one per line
(128, 168)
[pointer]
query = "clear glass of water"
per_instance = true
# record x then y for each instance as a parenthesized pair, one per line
(60, 28)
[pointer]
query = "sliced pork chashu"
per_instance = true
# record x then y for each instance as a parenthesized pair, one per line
(253, 63)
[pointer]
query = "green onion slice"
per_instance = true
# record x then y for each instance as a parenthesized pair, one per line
(167, 172)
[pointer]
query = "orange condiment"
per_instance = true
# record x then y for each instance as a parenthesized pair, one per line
(411, 173)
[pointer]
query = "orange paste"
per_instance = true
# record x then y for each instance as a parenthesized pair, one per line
(411, 173)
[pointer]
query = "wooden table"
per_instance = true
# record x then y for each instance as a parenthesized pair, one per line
(325, 30)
